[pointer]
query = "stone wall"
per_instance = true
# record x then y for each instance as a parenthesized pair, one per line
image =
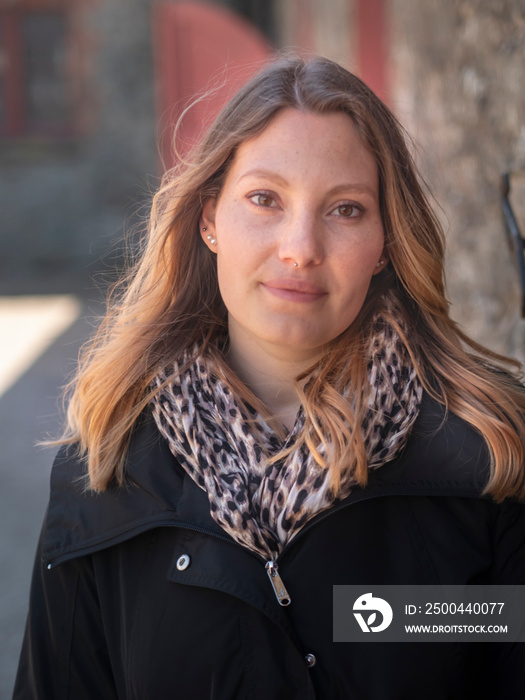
(457, 84)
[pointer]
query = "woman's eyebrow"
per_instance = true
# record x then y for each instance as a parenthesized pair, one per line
(262, 172)
(359, 187)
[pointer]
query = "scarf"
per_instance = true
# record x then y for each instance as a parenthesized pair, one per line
(225, 445)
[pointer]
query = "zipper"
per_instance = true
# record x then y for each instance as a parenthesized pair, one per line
(283, 598)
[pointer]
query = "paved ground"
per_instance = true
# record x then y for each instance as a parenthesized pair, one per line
(28, 412)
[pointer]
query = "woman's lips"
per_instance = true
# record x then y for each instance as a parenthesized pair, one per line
(294, 290)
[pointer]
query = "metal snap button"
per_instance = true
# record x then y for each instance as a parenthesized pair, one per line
(183, 562)
(310, 660)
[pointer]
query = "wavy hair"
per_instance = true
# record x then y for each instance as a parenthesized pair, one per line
(169, 303)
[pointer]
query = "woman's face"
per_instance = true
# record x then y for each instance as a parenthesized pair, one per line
(297, 232)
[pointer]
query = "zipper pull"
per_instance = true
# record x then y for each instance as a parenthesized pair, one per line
(277, 584)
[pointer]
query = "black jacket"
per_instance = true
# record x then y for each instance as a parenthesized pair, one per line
(113, 616)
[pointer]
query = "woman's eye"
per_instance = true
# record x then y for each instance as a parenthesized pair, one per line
(348, 211)
(262, 199)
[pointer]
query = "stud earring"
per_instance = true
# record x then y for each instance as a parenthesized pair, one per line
(204, 228)
(295, 264)
(381, 262)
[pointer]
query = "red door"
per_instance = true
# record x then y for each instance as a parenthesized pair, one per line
(199, 47)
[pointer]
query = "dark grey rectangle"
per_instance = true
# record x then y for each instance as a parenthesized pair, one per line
(429, 613)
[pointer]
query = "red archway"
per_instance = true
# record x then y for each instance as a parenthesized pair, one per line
(199, 48)
(372, 45)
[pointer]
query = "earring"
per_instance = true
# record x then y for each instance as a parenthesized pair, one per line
(204, 228)
(295, 264)
(381, 262)
(212, 240)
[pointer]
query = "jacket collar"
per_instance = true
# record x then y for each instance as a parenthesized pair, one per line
(444, 456)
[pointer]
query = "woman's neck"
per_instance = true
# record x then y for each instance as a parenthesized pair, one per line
(271, 377)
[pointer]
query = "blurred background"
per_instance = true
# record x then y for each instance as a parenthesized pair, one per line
(89, 93)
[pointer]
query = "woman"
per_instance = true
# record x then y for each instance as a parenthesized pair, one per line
(278, 402)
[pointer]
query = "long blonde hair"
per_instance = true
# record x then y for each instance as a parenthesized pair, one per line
(170, 302)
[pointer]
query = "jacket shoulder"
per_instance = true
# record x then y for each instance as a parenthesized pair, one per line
(80, 518)
(444, 455)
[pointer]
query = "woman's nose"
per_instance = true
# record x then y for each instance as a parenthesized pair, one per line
(300, 241)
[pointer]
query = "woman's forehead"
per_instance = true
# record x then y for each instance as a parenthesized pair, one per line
(305, 143)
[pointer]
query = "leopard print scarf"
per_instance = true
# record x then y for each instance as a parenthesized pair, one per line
(224, 445)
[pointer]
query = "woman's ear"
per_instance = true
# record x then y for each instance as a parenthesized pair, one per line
(207, 224)
(381, 263)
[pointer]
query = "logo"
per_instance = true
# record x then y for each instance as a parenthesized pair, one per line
(367, 605)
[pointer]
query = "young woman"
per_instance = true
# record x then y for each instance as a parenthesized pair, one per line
(276, 403)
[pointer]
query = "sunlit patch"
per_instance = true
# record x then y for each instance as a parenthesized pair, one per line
(28, 326)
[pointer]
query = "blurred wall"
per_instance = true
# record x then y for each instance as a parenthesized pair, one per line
(322, 26)
(64, 199)
(457, 83)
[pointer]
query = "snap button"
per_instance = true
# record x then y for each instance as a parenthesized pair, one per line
(183, 562)
(310, 660)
